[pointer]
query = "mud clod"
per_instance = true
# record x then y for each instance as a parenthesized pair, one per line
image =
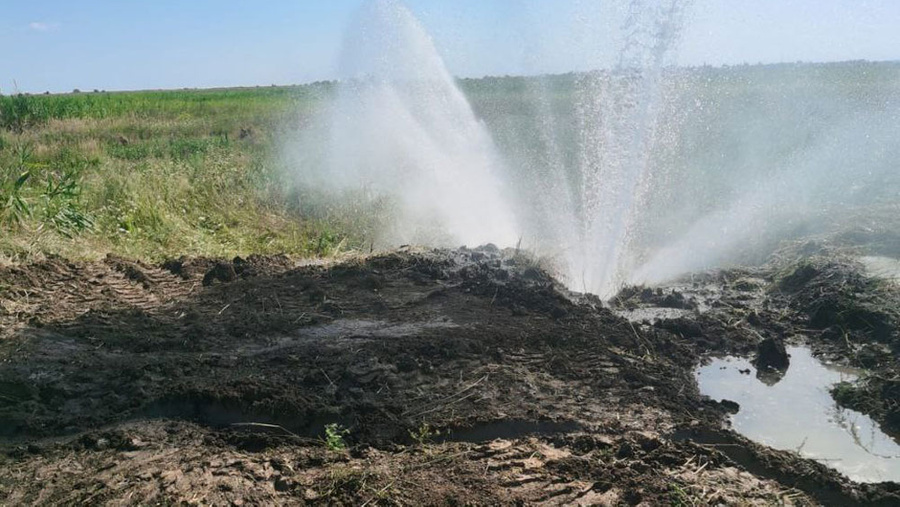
(730, 406)
(772, 355)
(220, 272)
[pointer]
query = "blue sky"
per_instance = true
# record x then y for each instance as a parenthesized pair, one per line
(59, 45)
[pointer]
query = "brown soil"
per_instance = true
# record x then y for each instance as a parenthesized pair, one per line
(460, 377)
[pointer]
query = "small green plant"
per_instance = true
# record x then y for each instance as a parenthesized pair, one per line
(13, 207)
(334, 437)
(844, 392)
(61, 208)
(424, 434)
(680, 498)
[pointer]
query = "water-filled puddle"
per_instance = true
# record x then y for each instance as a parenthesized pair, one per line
(797, 413)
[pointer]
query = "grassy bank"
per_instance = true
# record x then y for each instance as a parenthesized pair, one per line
(156, 174)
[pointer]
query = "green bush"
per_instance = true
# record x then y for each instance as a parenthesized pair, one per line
(49, 192)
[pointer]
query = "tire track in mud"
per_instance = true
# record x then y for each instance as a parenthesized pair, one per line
(57, 292)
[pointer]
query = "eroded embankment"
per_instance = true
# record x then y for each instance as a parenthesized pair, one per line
(466, 375)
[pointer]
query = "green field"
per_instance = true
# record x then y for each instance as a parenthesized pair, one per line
(158, 174)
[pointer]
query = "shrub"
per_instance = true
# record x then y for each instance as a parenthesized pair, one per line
(50, 191)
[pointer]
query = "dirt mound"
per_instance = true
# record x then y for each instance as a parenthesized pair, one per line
(211, 270)
(359, 382)
(837, 296)
(771, 355)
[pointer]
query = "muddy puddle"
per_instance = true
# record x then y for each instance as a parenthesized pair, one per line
(797, 412)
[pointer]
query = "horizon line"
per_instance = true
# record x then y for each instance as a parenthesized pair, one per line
(78, 91)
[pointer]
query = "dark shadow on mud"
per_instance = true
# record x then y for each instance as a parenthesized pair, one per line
(222, 414)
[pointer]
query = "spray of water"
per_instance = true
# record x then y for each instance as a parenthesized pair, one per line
(659, 171)
(399, 128)
(617, 118)
(771, 154)
(627, 172)
(593, 166)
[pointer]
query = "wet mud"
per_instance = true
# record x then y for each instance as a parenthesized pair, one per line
(411, 377)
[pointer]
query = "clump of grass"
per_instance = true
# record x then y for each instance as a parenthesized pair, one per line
(13, 206)
(48, 193)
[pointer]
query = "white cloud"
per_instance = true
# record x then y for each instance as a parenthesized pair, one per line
(40, 26)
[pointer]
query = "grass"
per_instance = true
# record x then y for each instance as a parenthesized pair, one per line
(158, 174)
(152, 175)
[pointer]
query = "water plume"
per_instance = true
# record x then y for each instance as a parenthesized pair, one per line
(790, 151)
(655, 171)
(399, 128)
(627, 171)
(590, 174)
(618, 114)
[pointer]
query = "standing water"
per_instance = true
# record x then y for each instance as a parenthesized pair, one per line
(798, 413)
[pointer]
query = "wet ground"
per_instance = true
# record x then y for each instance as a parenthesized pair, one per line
(413, 377)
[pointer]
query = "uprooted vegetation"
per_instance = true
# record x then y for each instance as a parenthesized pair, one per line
(841, 301)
